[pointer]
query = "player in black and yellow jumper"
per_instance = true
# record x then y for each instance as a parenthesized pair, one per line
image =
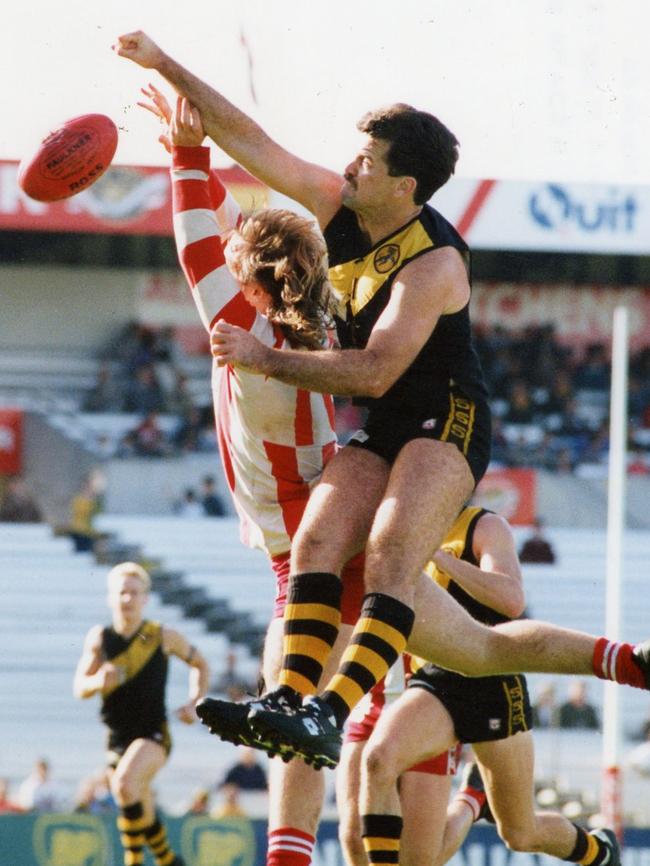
(478, 565)
(126, 663)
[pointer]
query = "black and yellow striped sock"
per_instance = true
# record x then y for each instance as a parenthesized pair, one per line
(156, 837)
(589, 850)
(379, 636)
(381, 837)
(311, 625)
(131, 826)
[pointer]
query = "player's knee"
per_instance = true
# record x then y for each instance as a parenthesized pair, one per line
(517, 838)
(380, 764)
(124, 789)
(310, 545)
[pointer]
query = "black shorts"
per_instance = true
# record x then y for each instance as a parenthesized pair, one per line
(119, 741)
(464, 422)
(481, 708)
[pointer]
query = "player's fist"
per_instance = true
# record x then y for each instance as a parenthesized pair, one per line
(139, 48)
(186, 714)
(109, 677)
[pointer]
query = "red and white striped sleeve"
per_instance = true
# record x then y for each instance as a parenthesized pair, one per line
(203, 212)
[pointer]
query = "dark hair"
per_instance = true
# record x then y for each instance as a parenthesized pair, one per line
(420, 146)
(285, 254)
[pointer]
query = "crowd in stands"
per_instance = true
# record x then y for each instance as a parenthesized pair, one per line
(141, 373)
(550, 400)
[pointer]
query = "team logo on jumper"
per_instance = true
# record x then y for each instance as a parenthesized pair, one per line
(228, 842)
(429, 424)
(495, 724)
(71, 840)
(386, 258)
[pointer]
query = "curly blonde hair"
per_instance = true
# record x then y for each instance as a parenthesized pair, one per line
(286, 255)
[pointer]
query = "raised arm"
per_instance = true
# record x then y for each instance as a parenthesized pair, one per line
(204, 212)
(175, 644)
(496, 581)
(315, 187)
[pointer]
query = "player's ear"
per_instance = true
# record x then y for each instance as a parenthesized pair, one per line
(406, 186)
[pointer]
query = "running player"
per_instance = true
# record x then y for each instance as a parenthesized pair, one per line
(126, 664)
(401, 273)
(274, 439)
(478, 565)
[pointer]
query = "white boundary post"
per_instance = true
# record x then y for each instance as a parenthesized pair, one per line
(611, 790)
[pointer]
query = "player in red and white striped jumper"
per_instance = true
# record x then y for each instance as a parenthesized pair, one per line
(267, 274)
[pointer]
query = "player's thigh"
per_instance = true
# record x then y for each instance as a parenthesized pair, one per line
(140, 762)
(413, 728)
(429, 483)
(424, 798)
(507, 768)
(443, 631)
(340, 510)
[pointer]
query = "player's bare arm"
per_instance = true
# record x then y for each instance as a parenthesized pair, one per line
(315, 187)
(496, 581)
(433, 285)
(93, 674)
(174, 643)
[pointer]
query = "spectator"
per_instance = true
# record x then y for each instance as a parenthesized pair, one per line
(144, 394)
(200, 803)
(521, 409)
(231, 682)
(246, 774)
(107, 394)
(210, 500)
(149, 438)
(18, 505)
(593, 373)
(179, 401)
(86, 504)
(38, 792)
(7, 805)
(545, 709)
(230, 807)
(537, 548)
(189, 506)
(190, 433)
(577, 712)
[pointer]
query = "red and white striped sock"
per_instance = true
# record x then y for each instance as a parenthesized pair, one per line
(472, 798)
(289, 847)
(614, 661)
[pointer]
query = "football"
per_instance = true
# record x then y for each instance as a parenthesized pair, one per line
(69, 159)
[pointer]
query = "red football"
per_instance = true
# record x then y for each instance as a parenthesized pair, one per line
(70, 159)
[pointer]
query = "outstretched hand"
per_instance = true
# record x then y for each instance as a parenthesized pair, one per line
(183, 125)
(139, 48)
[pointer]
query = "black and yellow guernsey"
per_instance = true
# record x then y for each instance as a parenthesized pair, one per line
(459, 542)
(362, 276)
(137, 705)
